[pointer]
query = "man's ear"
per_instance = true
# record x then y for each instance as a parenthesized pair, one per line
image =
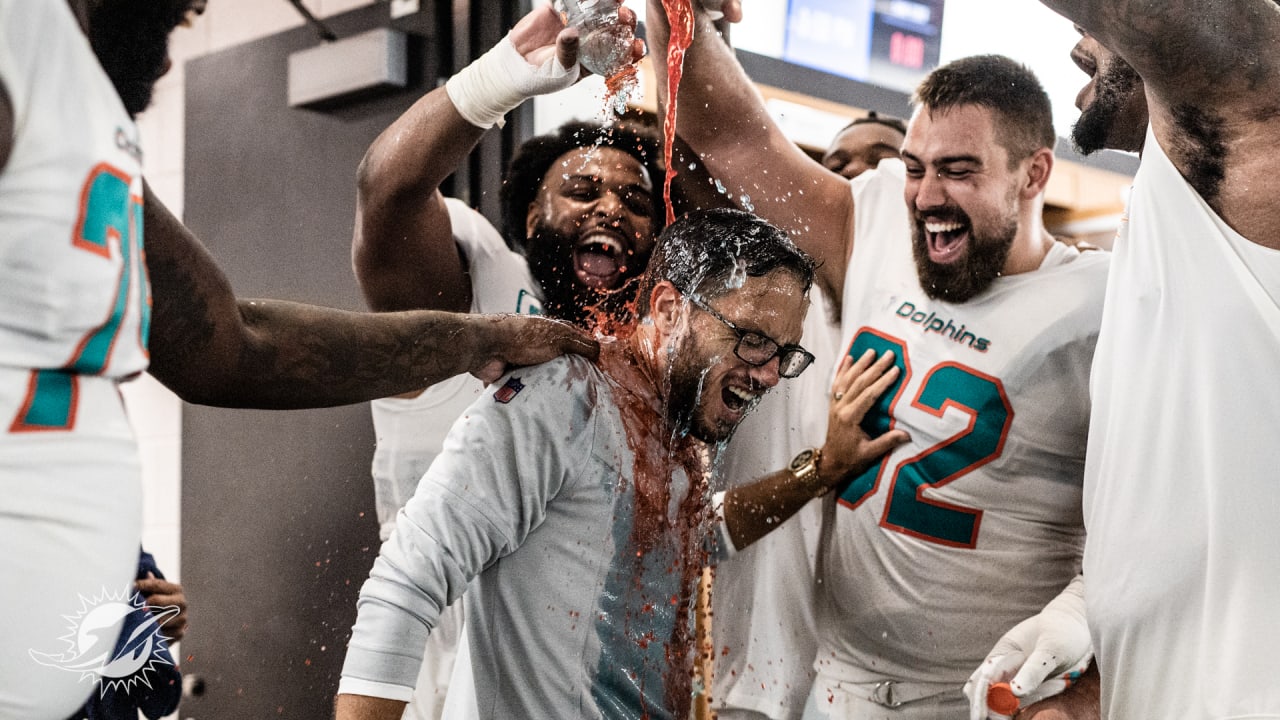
(1038, 170)
(531, 218)
(667, 308)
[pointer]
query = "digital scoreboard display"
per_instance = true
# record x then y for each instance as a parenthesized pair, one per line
(892, 43)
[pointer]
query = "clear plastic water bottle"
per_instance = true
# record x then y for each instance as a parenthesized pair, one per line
(604, 45)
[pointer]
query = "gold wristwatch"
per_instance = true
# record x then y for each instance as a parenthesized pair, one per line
(804, 466)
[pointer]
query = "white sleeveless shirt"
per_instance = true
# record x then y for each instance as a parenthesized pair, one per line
(1182, 489)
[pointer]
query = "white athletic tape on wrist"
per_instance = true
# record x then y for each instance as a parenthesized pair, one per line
(498, 81)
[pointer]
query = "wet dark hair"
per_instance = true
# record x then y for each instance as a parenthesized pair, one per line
(131, 40)
(701, 253)
(889, 121)
(1005, 87)
(537, 154)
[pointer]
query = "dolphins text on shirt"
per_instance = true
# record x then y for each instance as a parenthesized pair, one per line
(930, 322)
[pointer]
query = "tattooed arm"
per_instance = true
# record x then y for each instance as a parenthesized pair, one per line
(213, 349)
(1212, 78)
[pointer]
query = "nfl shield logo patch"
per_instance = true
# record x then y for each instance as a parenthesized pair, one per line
(508, 392)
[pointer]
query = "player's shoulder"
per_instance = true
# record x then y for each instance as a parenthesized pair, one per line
(553, 386)
(877, 199)
(1085, 264)
(1071, 283)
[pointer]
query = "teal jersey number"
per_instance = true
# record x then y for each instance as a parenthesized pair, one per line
(976, 394)
(110, 219)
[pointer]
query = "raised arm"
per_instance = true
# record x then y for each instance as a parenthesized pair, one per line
(723, 118)
(403, 251)
(213, 349)
(752, 511)
(1212, 79)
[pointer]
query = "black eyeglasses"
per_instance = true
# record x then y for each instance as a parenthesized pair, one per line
(757, 349)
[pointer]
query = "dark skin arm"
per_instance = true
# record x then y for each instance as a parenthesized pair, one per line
(753, 511)
(214, 349)
(1212, 80)
(403, 251)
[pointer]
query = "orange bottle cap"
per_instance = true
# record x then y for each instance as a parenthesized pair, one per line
(1000, 699)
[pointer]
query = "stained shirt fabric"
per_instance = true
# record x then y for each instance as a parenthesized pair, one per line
(581, 536)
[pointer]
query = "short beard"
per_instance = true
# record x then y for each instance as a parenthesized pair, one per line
(964, 279)
(686, 373)
(688, 364)
(1096, 125)
(131, 40)
(564, 297)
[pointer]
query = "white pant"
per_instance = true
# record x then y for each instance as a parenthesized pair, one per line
(70, 529)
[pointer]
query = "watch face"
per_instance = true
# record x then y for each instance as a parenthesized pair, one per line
(802, 459)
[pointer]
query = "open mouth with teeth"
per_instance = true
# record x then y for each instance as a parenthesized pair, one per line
(600, 260)
(738, 399)
(946, 240)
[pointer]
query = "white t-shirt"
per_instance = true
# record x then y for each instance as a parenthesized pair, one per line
(1181, 493)
(584, 543)
(763, 599)
(975, 523)
(410, 431)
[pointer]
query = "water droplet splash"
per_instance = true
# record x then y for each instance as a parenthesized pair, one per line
(739, 275)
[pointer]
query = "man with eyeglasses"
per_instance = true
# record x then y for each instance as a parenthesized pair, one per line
(755, 348)
(974, 526)
(571, 503)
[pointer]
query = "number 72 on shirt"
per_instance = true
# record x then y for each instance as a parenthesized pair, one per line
(946, 385)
